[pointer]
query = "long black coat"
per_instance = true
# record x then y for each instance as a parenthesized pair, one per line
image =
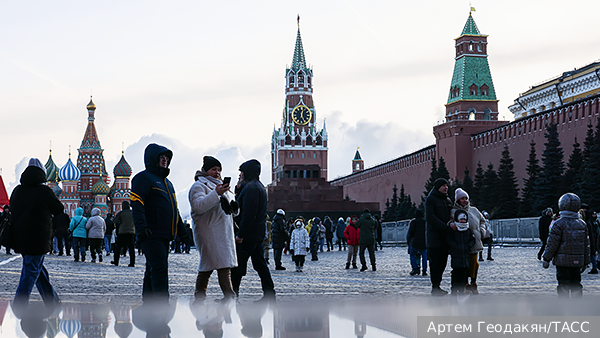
(437, 215)
(61, 224)
(32, 205)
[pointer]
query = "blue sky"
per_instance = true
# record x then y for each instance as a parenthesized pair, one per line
(208, 77)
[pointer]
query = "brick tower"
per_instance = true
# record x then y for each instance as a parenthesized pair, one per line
(298, 148)
(472, 106)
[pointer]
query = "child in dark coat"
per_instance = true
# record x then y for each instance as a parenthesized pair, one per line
(460, 241)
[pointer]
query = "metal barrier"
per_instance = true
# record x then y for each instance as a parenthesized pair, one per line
(507, 232)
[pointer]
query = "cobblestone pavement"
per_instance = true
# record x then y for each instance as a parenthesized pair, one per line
(515, 271)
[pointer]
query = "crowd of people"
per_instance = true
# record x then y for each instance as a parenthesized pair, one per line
(230, 226)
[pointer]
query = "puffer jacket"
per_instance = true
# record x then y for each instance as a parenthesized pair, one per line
(352, 234)
(78, 223)
(568, 242)
(96, 226)
(153, 200)
(460, 243)
(124, 222)
(476, 224)
(299, 241)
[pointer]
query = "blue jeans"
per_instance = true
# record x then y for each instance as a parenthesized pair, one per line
(414, 258)
(107, 239)
(156, 277)
(34, 273)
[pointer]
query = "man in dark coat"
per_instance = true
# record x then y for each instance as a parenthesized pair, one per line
(125, 234)
(110, 227)
(252, 225)
(60, 225)
(32, 205)
(417, 246)
(279, 236)
(157, 220)
(437, 216)
(328, 232)
(544, 228)
(367, 226)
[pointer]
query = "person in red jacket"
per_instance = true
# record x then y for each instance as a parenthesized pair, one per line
(352, 234)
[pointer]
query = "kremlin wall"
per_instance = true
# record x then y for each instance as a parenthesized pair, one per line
(472, 134)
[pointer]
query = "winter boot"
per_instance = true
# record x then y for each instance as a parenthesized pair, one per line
(424, 273)
(414, 272)
(480, 258)
(354, 266)
(364, 268)
(279, 267)
(347, 266)
(83, 257)
(374, 267)
(100, 257)
(594, 271)
(489, 258)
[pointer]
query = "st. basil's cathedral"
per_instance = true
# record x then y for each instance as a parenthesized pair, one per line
(86, 184)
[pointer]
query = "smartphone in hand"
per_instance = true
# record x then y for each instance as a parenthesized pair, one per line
(226, 180)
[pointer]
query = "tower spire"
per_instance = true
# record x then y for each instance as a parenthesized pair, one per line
(298, 62)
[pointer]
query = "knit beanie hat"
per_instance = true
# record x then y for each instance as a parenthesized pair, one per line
(439, 182)
(210, 162)
(34, 162)
(459, 193)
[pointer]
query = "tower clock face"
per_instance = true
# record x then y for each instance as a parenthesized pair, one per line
(301, 115)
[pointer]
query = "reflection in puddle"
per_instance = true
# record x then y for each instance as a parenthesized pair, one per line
(184, 319)
(381, 319)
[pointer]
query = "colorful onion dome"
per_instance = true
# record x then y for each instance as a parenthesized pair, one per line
(100, 187)
(51, 170)
(69, 172)
(122, 169)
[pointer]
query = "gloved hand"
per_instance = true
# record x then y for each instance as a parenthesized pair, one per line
(546, 264)
(235, 206)
(144, 234)
(188, 240)
(225, 205)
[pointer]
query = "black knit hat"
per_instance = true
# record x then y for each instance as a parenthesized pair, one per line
(210, 162)
(439, 182)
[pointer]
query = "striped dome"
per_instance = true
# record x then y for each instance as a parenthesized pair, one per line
(122, 169)
(51, 170)
(100, 188)
(69, 172)
(70, 327)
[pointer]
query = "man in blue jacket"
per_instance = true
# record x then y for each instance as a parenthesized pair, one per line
(156, 219)
(251, 233)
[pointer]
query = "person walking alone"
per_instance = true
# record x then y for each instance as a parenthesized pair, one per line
(252, 200)
(125, 234)
(368, 227)
(416, 244)
(32, 205)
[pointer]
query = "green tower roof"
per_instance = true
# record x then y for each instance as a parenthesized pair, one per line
(298, 62)
(469, 70)
(470, 27)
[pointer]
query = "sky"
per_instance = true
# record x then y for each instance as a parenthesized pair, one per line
(207, 77)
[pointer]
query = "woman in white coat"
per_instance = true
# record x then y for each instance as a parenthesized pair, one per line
(212, 209)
